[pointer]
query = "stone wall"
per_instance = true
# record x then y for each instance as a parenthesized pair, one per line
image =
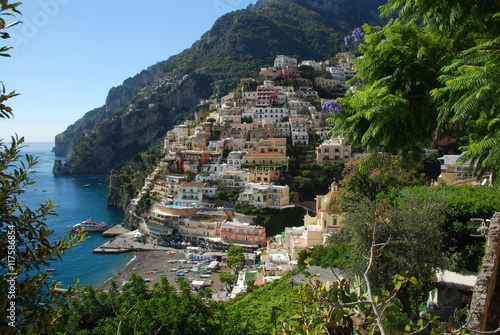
(485, 306)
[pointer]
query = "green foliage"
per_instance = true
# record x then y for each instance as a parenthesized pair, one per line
(228, 195)
(260, 309)
(400, 65)
(335, 308)
(410, 234)
(235, 258)
(136, 310)
(372, 177)
(462, 251)
(274, 220)
(228, 279)
(440, 75)
(133, 174)
(470, 98)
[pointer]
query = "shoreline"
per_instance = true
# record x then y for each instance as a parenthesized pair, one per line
(136, 264)
(153, 265)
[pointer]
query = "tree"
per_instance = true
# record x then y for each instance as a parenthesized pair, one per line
(421, 82)
(228, 279)
(411, 232)
(372, 176)
(29, 297)
(235, 258)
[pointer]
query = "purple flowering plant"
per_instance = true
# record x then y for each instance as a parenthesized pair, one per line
(356, 37)
(332, 107)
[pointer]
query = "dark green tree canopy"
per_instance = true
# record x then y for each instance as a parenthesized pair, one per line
(432, 71)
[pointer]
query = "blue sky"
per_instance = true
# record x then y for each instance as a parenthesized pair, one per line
(68, 54)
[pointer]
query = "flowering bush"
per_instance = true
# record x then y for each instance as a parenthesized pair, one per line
(332, 107)
(356, 37)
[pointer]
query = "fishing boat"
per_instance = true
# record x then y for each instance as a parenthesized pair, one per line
(90, 226)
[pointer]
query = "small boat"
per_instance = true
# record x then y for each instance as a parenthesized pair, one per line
(87, 185)
(51, 270)
(90, 226)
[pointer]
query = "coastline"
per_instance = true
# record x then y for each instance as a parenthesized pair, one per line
(153, 265)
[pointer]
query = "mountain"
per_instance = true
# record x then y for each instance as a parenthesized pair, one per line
(144, 107)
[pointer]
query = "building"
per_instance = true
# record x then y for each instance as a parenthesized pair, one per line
(333, 151)
(260, 195)
(271, 145)
(328, 217)
(317, 66)
(168, 215)
(266, 175)
(299, 133)
(168, 187)
(282, 61)
(269, 159)
(243, 234)
(192, 193)
(234, 179)
(452, 171)
(301, 238)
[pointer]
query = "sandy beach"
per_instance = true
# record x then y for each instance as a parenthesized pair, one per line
(152, 265)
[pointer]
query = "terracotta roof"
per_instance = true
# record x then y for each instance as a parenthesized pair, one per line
(193, 184)
(259, 282)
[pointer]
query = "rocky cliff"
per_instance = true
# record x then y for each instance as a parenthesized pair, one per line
(112, 143)
(116, 99)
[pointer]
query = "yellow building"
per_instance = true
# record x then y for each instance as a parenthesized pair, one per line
(327, 214)
(254, 159)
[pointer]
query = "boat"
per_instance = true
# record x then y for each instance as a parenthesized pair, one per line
(90, 226)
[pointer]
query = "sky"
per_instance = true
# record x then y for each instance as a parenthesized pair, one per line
(68, 54)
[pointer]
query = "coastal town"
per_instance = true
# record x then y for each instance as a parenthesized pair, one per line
(241, 145)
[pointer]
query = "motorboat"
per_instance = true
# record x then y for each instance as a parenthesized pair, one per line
(90, 226)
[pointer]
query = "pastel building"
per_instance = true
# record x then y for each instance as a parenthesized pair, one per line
(255, 159)
(193, 193)
(333, 150)
(301, 238)
(271, 145)
(168, 186)
(260, 195)
(328, 217)
(242, 234)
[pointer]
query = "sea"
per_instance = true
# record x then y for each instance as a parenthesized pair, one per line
(79, 197)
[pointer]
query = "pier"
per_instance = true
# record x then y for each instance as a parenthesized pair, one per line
(126, 241)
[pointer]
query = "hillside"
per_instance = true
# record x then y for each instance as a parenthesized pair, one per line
(144, 107)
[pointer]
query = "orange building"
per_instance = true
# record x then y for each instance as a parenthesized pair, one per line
(243, 234)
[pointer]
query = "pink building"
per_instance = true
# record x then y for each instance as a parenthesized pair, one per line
(333, 151)
(243, 234)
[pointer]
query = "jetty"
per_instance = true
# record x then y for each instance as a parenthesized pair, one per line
(115, 231)
(126, 241)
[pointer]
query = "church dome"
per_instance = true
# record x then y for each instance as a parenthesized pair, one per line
(330, 199)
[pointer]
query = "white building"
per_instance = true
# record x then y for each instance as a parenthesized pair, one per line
(282, 61)
(192, 193)
(299, 133)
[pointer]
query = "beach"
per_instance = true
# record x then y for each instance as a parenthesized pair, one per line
(152, 265)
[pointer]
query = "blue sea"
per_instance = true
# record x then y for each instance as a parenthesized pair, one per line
(76, 204)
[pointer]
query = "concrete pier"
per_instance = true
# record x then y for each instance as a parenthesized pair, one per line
(125, 242)
(115, 231)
